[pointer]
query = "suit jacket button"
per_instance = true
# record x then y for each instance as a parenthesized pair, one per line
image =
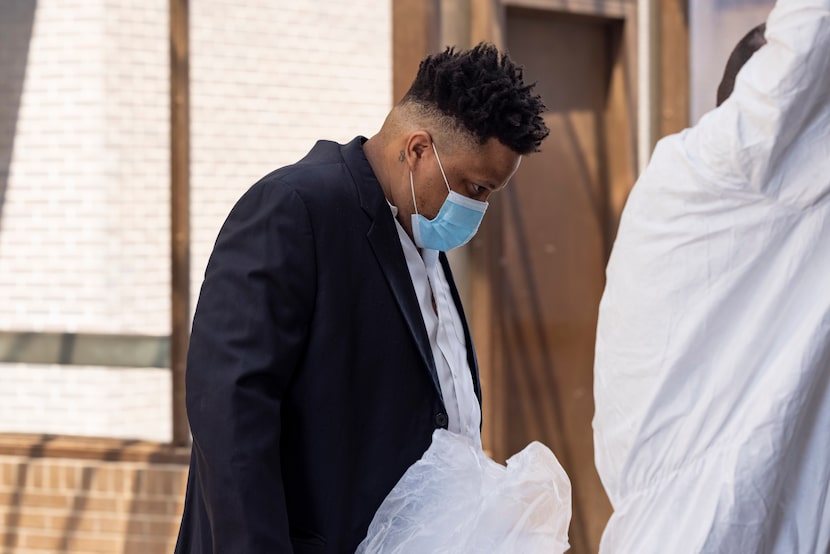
(441, 420)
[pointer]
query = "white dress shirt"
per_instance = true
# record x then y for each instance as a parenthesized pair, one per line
(446, 336)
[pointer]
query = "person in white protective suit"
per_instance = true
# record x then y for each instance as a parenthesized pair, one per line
(712, 368)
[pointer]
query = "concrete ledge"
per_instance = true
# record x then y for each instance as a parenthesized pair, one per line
(84, 349)
(85, 448)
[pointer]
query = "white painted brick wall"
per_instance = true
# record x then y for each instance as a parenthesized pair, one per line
(137, 165)
(270, 78)
(81, 400)
(50, 225)
(85, 223)
(84, 226)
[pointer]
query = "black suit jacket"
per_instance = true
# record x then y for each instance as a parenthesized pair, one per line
(311, 385)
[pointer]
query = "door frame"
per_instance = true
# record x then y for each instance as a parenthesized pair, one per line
(486, 272)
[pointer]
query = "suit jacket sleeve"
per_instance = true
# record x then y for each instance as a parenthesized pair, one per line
(249, 335)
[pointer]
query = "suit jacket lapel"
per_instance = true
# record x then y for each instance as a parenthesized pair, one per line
(383, 238)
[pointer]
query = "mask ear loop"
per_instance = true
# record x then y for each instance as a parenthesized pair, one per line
(441, 167)
(412, 188)
(444, 175)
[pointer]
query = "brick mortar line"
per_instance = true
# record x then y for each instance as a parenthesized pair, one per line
(100, 495)
(67, 462)
(75, 532)
(140, 517)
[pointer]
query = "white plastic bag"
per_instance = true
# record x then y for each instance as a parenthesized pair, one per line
(457, 500)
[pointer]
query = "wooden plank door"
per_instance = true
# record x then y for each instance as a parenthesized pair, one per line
(556, 229)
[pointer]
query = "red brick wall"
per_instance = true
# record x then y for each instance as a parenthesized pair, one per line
(88, 503)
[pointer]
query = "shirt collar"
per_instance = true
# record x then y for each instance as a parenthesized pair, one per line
(429, 256)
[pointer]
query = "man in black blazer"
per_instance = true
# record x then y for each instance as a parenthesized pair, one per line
(329, 340)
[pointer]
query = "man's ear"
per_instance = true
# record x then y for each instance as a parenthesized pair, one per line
(417, 143)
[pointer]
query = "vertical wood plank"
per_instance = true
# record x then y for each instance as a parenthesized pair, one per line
(674, 66)
(415, 34)
(621, 122)
(179, 211)
(487, 19)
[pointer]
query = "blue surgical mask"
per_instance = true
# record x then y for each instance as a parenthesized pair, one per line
(456, 223)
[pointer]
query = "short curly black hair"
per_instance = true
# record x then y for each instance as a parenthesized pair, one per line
(482, 90)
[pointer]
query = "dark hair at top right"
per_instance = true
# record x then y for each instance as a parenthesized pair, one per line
(744, 50)
(482, 91)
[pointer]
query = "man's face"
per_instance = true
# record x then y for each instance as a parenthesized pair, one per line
(475, 173)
